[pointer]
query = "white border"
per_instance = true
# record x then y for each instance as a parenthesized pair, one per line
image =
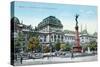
(5, 32)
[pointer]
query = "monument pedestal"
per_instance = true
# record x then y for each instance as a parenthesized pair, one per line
(77, 49)
(88, 50)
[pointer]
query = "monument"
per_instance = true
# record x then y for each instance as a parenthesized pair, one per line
(77, 47)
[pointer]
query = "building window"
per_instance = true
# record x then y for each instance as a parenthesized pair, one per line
(82, 41)
(68, 38)
(41, 36)
(58, 36)
(40, 40)
(82, 38)
(62, 38)
(87, 37)
(51, 38)
(44, 38)
(55, 37)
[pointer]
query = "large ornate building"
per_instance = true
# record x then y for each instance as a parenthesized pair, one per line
(51, 31)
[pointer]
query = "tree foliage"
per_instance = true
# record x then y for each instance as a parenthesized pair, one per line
(92, 45)
(19, 42)
(62, 46)
(33, 43)
(57, 46)
(46, 49)
(65, 47)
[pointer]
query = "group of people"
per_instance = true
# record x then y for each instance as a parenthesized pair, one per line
(21, 57)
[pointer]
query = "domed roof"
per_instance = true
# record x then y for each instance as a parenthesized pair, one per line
(15, 20)
(95, 33)
(84, 32)
(52, 21)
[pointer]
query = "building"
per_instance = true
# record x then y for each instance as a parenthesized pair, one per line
(69, 37)
(86, 38)
(20, 31)
(51, 31)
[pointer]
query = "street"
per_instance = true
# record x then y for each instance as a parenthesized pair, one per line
(50, 60)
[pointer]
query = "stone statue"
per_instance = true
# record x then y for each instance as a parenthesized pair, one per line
(77, 47)
(76, 17)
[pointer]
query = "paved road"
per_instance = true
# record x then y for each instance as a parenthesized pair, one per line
(50, 60)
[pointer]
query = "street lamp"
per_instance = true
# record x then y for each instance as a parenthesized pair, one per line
(50, 44)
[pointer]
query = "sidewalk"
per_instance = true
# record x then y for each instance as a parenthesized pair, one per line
(50, 60)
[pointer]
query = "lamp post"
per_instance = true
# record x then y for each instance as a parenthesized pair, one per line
(50, 44)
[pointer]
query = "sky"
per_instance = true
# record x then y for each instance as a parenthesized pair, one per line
(33, 13)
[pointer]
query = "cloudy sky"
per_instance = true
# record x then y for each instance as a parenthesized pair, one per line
(33, 13)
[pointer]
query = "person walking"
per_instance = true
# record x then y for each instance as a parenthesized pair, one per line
(72, 56)
(21, 59)
(16, 57)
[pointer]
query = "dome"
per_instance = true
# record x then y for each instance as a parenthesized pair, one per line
(84, 32)
(52, 21)
(15, 20)
(95, 33)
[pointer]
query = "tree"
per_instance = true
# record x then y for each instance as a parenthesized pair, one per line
(19, 42)
(33, 43)
(39, 48)
(62, 47)
(65, 47)
(92, 45)
(46, 49)
(57, 46)
(36, 33)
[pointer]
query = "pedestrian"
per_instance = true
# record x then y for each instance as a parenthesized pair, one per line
(48, 56)
(21, 59)
(16, 57)
(72, 54)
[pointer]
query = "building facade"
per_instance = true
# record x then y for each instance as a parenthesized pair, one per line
(20, 34)
(51, 31)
